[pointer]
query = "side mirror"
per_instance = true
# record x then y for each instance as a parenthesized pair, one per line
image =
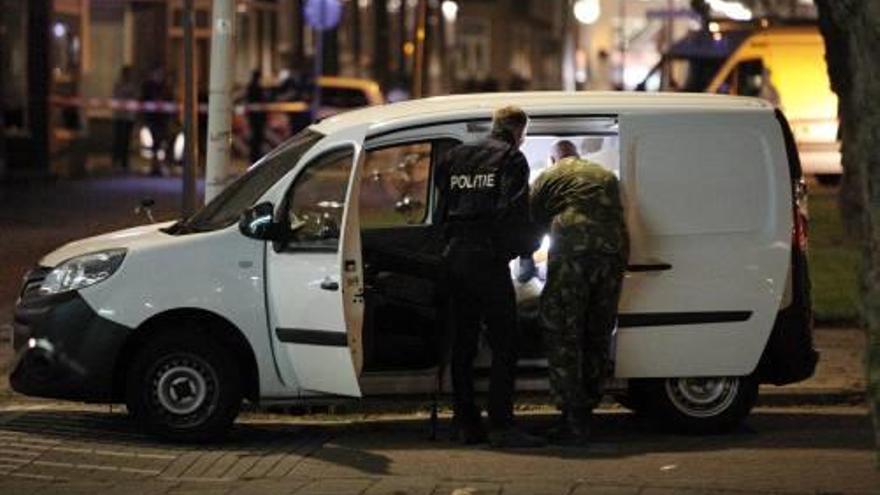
(258, 222)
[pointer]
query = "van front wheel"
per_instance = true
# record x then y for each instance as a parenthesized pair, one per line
(184, 389)
(701, 405)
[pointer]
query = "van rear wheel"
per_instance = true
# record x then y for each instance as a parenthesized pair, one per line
(700, 405)
(184, 388)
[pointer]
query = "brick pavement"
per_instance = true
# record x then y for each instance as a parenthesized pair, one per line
(46, 449)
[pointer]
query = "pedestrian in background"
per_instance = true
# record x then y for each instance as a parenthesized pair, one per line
(124, 90)
(483, 200)
(155, 90)
(579, 203)
(256, 118)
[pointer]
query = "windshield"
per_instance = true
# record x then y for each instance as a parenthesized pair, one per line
(227, 207)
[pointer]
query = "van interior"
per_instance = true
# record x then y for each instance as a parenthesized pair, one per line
(405, 319)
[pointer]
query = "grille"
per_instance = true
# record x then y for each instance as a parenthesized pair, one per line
(32, 282)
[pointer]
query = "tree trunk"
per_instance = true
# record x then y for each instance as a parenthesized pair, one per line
(39, 80)
(851, 29)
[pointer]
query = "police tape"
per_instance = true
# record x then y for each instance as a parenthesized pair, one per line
(172, 107)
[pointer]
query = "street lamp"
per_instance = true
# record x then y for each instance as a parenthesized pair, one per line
(587, 11)
(450, 10)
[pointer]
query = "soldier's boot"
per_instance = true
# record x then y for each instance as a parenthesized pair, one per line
(468, 429)
(559, 427)
(573, 429)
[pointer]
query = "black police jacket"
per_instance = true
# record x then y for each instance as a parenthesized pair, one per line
(484, 195)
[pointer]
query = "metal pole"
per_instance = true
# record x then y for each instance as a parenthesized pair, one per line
(568, 47)
(39, 81)
(3, 79)
(218, 172)
(190, 114)
(319, 65)
(420, 35)
(622, 44)
(356, 37)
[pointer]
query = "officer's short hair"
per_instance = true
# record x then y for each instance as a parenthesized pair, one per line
(510, 120)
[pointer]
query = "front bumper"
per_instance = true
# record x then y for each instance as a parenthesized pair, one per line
(64, 349)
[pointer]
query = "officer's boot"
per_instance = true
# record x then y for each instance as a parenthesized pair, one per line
(467, 428)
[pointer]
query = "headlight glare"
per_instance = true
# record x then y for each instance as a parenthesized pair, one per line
(82, 271)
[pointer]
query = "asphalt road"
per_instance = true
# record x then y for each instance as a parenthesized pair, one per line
(51, 448)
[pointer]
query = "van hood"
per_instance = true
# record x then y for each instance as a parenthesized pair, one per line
(127, 238)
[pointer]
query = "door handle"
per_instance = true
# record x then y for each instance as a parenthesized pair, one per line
(330, 284)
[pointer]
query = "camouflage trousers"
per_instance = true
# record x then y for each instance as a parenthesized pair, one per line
(578, 312)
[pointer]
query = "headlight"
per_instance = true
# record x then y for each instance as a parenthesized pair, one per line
(82, 271)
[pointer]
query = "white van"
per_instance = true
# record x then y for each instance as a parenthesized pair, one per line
(317, 275)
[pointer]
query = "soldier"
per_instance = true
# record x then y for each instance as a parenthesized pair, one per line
(579, 203)
(483, 199)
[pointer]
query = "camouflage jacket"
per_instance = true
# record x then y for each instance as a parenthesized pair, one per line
(578, 202)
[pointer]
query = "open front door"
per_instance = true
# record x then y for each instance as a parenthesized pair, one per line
(315, 282)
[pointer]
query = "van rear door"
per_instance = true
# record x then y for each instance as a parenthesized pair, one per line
(709, 214)
(314, 282)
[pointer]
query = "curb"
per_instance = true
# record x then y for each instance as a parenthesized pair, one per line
(812, 397)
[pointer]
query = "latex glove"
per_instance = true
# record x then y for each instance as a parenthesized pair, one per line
(527, 269)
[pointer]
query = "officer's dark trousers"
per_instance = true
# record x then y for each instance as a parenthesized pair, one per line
(482, 291)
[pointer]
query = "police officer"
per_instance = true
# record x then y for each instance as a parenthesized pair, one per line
(579, 203)
(483, 204)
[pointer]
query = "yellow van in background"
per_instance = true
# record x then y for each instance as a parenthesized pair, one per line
(786, 65)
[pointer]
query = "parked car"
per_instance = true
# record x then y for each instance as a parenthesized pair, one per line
(286, 116)
(338, 94)
(316, 276)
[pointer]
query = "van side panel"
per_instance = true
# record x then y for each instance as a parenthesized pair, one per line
(708, 195)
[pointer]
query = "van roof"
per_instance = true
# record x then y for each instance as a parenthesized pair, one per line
(547, 103)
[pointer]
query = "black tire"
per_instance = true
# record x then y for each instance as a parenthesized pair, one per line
(700, 405)
(828, 179)
(184, 388)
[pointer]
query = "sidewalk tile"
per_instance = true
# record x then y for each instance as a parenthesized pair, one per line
(263, 466)
(12, 485)
(76, 488)
(143, 487)
(179, 466)
(202, 464)
(586, 489)
(336, 487)
(402, 486)
(220, 468)
(546, 487)
(200, 488)
(266, 487)
(242, 464)
(467, 488)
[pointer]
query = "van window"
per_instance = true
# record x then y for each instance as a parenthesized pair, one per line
(747, 78)
(395, 185)
(728, 87)
(226, 208)
(316, 202)
(750, 77)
